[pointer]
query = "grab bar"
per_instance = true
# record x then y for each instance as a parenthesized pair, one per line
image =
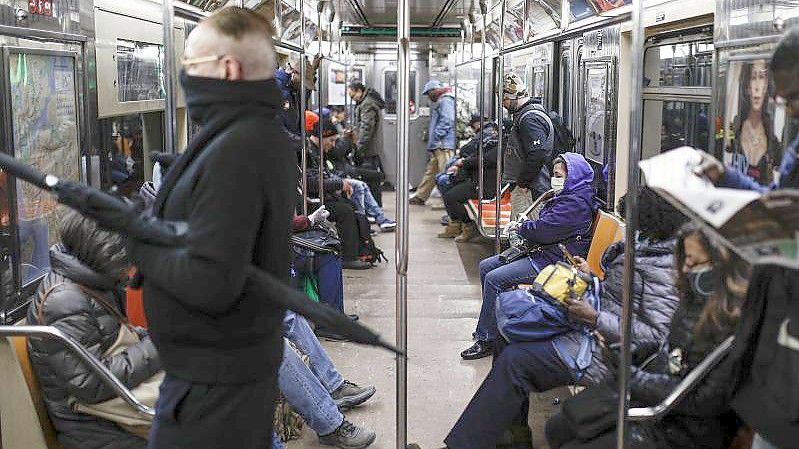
(82, 353)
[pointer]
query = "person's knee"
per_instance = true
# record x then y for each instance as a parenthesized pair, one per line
(511, 363)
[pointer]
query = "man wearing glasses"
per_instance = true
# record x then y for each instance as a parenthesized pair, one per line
(220, 341)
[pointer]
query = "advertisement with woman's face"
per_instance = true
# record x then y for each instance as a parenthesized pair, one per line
(752, 124)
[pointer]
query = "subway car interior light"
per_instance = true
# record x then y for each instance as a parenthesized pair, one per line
(406, 224)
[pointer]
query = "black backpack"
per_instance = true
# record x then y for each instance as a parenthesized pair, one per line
(564, 139)
(367, 250)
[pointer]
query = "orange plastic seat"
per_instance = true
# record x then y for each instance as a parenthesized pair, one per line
(607, 230)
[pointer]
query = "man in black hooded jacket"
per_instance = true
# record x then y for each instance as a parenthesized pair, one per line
(219, 340)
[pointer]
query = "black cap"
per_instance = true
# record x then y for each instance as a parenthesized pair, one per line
(328, 128)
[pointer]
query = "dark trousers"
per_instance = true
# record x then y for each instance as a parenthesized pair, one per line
(561, 435)
(342, 211)
(190, 415)
(331, 283)
(370, 165)
(455, 200)
(520, 369)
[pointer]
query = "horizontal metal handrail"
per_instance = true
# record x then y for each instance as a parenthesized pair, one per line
(686, 386)
(82, 353)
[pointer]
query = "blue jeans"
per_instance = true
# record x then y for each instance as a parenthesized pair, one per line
(297, 331)
(306, 394)
(496, 278)
(520, 369)
(365, 202)
(443, 180)
(276, 443)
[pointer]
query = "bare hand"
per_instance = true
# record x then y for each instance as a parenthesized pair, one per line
(582, 312)
(710, 168)
(582, 266)
(347, 188)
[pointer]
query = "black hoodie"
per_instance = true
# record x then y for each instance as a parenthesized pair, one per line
(234, 186)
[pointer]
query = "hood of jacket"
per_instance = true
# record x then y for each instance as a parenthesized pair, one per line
(579, 173)
(372, 95)
(67, 265)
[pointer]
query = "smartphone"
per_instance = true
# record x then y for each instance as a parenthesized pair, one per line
(568, 255)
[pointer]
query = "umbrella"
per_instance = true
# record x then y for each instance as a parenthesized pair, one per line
(119, 216)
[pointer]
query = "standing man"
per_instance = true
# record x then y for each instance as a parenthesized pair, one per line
(441, 137)
(530, 149)
(367, 129)
(219, 340)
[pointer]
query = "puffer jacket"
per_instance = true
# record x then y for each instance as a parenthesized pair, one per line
(654, 299)
(62, 375)
(702, 418)
(566, 218)
(334, 180)
(368, 123)
(441, 134)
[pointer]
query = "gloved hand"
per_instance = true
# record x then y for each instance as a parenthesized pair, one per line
(318, 216)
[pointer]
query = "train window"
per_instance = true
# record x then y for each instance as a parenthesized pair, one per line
(43, 92)
(681, 123)
(684, 64)
(390, 91)
(514, 23)
(124, 141)
(140, 71)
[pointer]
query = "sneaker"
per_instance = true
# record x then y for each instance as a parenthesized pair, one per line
(371, 219)
(349, 436)
(349, 395)
(416, 201)
(353, 317)
(356, 265)
(388, 225)
(327, 335)
(445, 220)
(478, 350)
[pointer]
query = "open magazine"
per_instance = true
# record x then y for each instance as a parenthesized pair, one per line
(763, 229)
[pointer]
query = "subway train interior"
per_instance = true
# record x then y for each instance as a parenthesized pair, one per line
(547, 233)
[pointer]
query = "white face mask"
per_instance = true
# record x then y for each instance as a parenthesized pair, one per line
(558, 184)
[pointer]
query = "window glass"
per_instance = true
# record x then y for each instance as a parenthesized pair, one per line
(681, 124)
(123, 141)
(140, 71)
(390, 91)
(45, 134)
(688, 64)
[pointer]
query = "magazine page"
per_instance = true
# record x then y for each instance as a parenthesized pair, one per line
(761, 229)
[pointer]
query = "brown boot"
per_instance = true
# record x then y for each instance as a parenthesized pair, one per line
(452, 230)
(468, 232)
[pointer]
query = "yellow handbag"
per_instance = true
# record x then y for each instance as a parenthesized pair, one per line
(560, 282)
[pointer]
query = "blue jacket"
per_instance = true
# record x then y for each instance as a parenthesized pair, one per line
(442, 124)
(788, 179)
(566, 218)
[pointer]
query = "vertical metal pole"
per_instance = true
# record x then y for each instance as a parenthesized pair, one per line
(170, 59)
(303, 107)
(500, 140)
(403, 195)
(319, 7)
(480, 164)
(636, 119)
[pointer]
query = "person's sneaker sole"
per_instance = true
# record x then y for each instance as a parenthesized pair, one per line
(372, 438)
(349, 402)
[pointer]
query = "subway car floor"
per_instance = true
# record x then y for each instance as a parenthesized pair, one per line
(443, 305)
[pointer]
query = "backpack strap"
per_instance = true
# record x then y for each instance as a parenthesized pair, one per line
(539, 111)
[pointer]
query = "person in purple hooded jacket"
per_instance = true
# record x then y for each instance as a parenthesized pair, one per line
(567, 218)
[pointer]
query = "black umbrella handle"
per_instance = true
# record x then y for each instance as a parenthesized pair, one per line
(27, 173)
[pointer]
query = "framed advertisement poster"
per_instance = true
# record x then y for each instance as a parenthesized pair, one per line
(336, 84)
(753, 127)
(597, 110)
(43, 111)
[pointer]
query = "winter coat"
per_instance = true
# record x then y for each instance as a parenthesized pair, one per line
(334, 180)
(368, 124)
(62, 375)
(235, 189)
(530, 151)
(566, 218)
(441, 134)
(654, 299)
(340, 157)
(767, 348)
(701, 419)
